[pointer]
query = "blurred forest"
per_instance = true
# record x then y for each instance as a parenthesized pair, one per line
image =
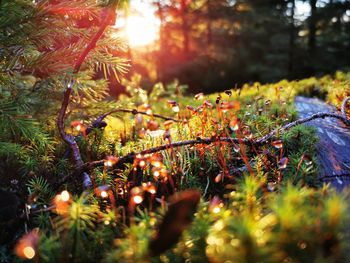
(217, 44)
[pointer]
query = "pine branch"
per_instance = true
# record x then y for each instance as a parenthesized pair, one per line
(109, 64)
(75, 9)
(107, 14)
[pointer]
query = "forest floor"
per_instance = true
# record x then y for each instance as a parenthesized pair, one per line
(333, 151)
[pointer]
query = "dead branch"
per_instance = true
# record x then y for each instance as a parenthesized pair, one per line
(135, 112)
(99, 121)
(129, 158)
(343, 107)
(67, 138)
(320, 115)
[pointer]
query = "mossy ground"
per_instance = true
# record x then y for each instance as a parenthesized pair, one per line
(275, 211)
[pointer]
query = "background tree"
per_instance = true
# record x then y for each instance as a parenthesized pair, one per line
(242, 41)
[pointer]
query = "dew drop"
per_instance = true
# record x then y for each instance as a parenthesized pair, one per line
(271, 186)
(302, 245)
(282, 164)
(218, 178)
(277, 144)
(236, 149)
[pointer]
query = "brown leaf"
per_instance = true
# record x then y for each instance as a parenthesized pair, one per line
(177, 219)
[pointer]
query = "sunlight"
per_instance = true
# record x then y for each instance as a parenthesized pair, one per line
(141, 30)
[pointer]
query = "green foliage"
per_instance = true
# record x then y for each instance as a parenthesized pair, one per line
(76, 225)
(253, 226)
(40, 189)
(301, 141)
(261, 212)
(252, 216)
(49, 249)
(32, 66)
(212, 45)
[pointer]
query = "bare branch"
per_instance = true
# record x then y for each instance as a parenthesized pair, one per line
(320, 115)
(134, 111)
(260, 141)
(100, 123)
(343, 107)
(129, 158)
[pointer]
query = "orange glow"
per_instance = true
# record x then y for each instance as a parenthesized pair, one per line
(142, 163)
(156, 173)
(78, 125)
(65, 196)
(29, 252)
(152, 190)
(110, 161)
(137, 199)
(61, 203)
(104, 194)
(141, 30)
(216, 209)
(27, 245)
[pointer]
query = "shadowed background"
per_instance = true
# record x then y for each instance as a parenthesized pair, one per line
(214, 45)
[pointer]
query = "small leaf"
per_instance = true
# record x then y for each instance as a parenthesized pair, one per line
(176, 220)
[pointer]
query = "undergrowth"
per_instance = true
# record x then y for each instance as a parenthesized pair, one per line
(271, 212)
(208, 200)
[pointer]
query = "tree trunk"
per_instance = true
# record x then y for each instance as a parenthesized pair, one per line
(312, 28)
(162, 40)
(291, 40)
(185, 29)
(209, 29)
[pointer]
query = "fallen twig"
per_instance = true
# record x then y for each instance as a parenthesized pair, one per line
(343, 107)
(320, 115)
(134, 111)
(100, 123)
(129, 158)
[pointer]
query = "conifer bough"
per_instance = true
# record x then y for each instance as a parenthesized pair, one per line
(109, 15)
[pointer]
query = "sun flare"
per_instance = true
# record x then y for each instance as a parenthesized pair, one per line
(141, 30)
